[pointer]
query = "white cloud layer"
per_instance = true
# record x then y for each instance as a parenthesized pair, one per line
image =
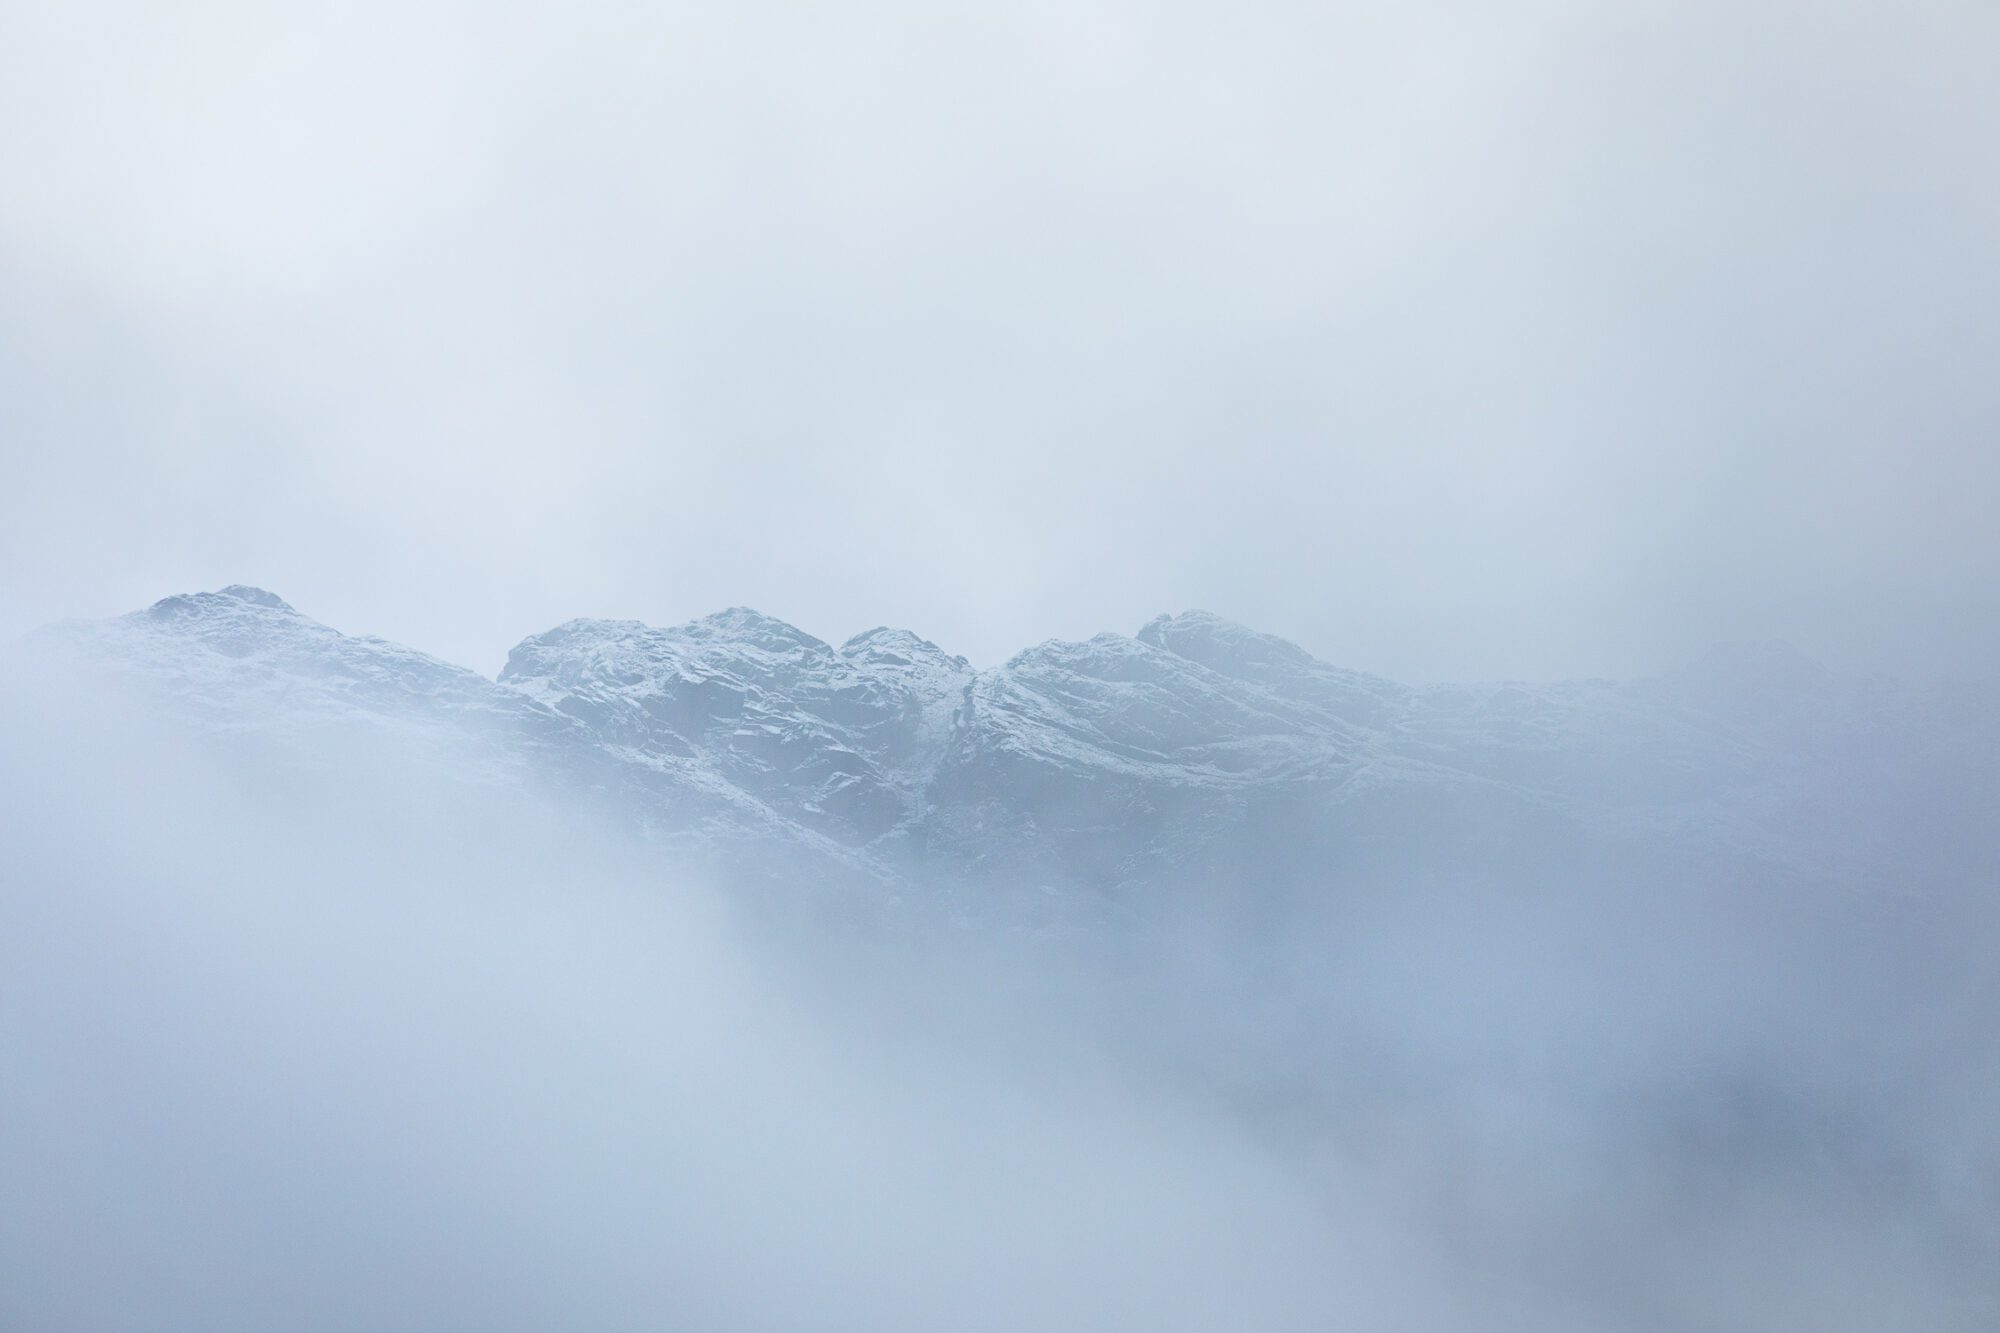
(1449, 339)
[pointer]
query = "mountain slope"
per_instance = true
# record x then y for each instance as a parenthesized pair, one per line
(1197, 750)
(279, 692)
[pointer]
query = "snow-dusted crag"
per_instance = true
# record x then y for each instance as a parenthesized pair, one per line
(278, 692)
(841, 740)
(1197, 750)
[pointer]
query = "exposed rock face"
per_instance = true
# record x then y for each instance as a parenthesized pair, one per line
(244, 669)
(841, 740)
(1196, 749)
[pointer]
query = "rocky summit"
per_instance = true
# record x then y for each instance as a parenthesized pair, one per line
(1195, 752)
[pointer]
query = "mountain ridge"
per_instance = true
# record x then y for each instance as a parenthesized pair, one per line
(1194, 746)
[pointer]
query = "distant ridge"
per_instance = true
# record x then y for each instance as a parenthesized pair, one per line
(1197, 747)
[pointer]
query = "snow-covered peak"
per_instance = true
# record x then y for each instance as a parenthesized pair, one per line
(241, 644)
(1221, 645)
(745, 626)
(243, 592)
(1074, 760)
(746, 649)
(1275, 665)
(244, 667)
(885, 647)
(743, 647)
(841, 741)
(236, 599)
(1102, 656)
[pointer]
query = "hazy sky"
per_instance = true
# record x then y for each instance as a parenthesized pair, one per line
(1449, 339)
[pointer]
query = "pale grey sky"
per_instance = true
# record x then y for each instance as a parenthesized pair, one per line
(1449, 339)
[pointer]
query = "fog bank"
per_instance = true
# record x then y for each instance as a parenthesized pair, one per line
(374, 1049)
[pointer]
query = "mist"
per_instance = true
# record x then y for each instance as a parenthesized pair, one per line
(371, 1040)
(1047, 954)
(328, 1061)
(1452, 341)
